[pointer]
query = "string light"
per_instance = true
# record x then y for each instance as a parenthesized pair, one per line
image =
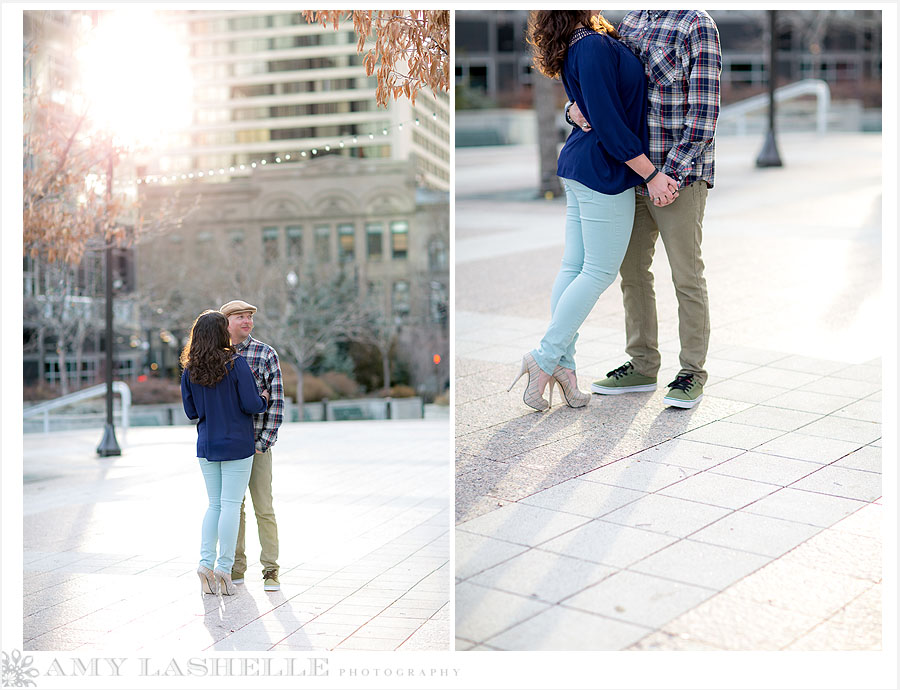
(243, 167)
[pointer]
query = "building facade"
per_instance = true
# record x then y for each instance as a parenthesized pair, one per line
(257, 237)
(842, 47)
(268, 85)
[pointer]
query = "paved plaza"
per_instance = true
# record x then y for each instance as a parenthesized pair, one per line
(111, 546)
(751, 522)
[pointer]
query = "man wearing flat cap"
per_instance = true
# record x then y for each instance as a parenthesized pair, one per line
(263, 361)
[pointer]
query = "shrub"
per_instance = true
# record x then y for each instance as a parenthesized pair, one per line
(401, 392)
(442, 399)
(155, 391)
(341, 384)
(314, 389)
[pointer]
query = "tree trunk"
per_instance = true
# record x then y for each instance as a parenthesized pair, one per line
(386, 369)
(63, 374)
(544, 94)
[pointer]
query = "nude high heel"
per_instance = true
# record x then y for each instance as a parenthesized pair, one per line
(226, 586)
(207, 580)
(532, 395)
(569, 387)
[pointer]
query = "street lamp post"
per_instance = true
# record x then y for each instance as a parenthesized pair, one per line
(108, 444)
(768, 157)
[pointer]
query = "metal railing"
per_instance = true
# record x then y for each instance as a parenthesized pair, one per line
(45, 408)
(816, 87)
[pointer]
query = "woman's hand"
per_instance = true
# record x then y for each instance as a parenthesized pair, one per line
(265, 395)
(663, 190)
(578, 118)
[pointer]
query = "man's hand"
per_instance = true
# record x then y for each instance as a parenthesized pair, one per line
(663, 190)
(576, 115)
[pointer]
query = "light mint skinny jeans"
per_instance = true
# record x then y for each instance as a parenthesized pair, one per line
(226, 484)
(598, 228)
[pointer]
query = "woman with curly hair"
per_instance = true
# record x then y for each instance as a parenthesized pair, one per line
(218, 389)
(599, 167)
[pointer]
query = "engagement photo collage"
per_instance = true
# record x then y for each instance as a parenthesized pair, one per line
(377, 348)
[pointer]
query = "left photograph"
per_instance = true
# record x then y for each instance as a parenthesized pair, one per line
(236, 330)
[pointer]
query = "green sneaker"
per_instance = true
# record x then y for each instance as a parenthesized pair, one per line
(684, 391)
(624, 380)
(271, 583)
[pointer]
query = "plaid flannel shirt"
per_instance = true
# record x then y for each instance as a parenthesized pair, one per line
(263, 361)
(683, 60)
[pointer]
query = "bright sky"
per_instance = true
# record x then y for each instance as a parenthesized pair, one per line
(136, 76)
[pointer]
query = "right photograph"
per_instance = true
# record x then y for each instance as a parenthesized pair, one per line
(669, 330)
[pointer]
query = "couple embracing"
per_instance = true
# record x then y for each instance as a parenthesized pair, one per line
(643, 103)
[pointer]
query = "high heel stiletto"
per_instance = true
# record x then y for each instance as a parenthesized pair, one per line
(226, 586)
(569, 388)
(532, 395)
(207, 580)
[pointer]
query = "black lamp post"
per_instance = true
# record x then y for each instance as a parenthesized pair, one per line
(108, 444)
(768, 157)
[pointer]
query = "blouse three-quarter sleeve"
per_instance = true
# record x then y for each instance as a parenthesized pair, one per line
(249, 399)
(187, 399)
(597, 69)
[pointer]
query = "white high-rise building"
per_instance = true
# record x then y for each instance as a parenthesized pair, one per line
(269, 85)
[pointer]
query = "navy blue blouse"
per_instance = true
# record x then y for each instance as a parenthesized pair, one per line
(608, 82)
(225, 429)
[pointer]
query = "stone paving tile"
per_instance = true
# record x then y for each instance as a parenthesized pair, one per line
(542, 575)
(587, 499)
(842, 553)
(632, 473)
(834, 385)
(866, 458)
(433, 635)
(607, 543)
(703, 565)
(756, 534)
(475, 553)
(842, 481)
(811, 448)
(779, 377)
(807, 507)
(741, 353)
(732, 435)
(726, 368)
(869, 371)
(662, 641)
(807, 401)
(563, 629)
(866, 522)
(666, 515)
(769, 469)
(684, 453)
(719, 490)
(482, 613)
(863, 410)
(773, 418)
(728, 622)
(743, 391)
(796, 587)
(812, 365)
(522, 524)
(856, 627)
(638, 598)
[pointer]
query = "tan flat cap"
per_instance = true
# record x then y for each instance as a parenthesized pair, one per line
(236, 306)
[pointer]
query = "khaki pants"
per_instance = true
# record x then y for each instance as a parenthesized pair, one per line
(261, 495)
(681, 226)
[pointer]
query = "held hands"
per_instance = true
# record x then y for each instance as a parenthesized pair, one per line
(265, 395)
(663, 190)
(578, 118)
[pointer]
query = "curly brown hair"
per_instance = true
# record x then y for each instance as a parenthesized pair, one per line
(549, 31)
(208, 353)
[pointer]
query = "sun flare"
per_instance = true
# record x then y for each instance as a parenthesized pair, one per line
(136, 76)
